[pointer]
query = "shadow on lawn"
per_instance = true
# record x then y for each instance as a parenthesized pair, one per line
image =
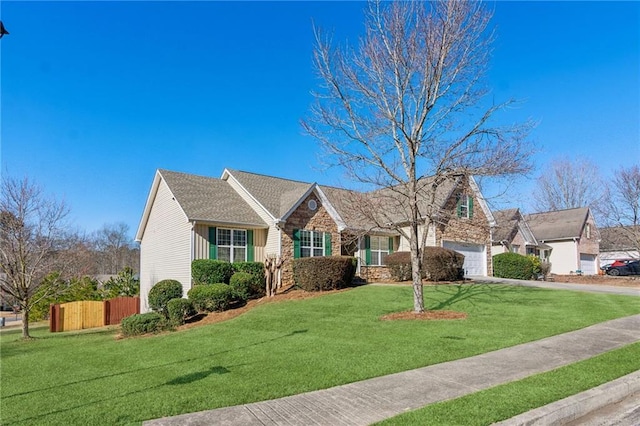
(471, 293)
(185, 379)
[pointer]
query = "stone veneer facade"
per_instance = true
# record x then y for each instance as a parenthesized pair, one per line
(311, 220)
(475, 230)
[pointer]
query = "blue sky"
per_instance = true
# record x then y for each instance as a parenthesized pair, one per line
(95, 96)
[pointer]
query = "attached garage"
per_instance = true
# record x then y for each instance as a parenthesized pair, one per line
(475, 257)
(588, 264)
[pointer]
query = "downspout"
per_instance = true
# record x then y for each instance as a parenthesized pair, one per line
(193, 251)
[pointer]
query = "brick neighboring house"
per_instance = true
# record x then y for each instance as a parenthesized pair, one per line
(573, 237)
(245, 216)
(513, 234)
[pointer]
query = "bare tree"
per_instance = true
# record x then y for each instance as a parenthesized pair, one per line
(114, 247)
(567, 184)
(410, 102)
(623, 204)
(32, 228)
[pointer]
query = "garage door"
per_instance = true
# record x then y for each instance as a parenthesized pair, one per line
(588, 264)
(475, 260)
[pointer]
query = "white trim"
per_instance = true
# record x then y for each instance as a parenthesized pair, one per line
(298, 203)
(330, 209)
(150, 200)
(483, 203)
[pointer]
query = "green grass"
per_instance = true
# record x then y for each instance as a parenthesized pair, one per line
(274, 350)
(508, 400)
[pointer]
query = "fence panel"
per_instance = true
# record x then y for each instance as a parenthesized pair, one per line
(76, 315)
(120, 307)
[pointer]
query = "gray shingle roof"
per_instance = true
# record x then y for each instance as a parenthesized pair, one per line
(210, 199)
(277, 195)
(396, 205)
(558, 225)
(506, 224)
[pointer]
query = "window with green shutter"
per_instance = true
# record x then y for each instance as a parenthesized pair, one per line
(311, 243)
(231, 245)
(465, 206)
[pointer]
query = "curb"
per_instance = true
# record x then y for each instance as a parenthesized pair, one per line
(576, 406)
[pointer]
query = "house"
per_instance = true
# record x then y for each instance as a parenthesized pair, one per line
(572, 236)
(513, 234)
(617, 242)
(244, 216)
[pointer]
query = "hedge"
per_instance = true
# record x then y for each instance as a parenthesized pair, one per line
(512, 265)
(323, 273)
(438, 264)
(211, 298)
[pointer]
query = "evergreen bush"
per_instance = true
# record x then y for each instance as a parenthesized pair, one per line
(150, 322)
(179, 310)
(211, 271)
(162, 292)
(323, 273)
(512, 265)
(211, 298)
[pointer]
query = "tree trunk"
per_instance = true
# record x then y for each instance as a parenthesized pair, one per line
(25, 324)
(416, 273)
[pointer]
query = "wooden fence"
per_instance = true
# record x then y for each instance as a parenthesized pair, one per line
(90, 314)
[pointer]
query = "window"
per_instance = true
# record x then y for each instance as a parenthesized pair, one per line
(379, 247)
(231, 245)
(588, 231)
(465, 206)
(515, 248)
(312, 243)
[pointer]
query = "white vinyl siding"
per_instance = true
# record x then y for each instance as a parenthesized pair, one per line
(165, 248)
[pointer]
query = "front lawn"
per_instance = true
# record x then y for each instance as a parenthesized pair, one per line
(274, 350)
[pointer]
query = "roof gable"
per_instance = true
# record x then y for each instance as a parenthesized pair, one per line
(558, 225)
(276, 195)
(203, 199)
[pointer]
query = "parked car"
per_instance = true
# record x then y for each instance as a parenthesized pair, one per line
(628, 267)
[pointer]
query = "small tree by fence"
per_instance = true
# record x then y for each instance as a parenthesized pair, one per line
(90, 314)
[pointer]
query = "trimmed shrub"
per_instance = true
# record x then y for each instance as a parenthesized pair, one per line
(442, 264)
(243, 286)
(512, 265)
(438, 264)
(256, 270)
(211, 298)
(179, 310)
(162, 292)
(323, 273)
(399, 264)
(150, 322)
(210, 271)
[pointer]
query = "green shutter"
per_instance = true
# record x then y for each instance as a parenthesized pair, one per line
(367, 250)
(390, 245)
(213, 248)
(296, 243)
(470, 207)
(250, 254)
(327, 243)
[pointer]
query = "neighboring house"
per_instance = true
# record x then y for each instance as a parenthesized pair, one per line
(513, 234)
(572, 236)
(616, 243)
(246, 217)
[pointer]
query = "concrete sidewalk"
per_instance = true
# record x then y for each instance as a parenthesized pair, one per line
(369, 401)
